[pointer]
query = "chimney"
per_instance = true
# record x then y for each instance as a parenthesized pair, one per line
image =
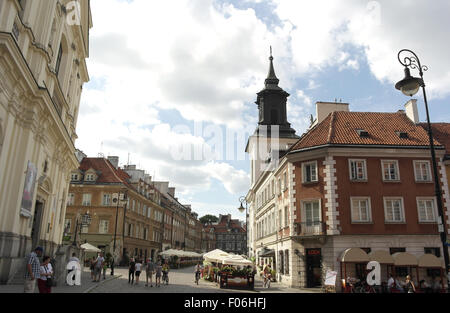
(114, 161)
(411, 111)
(171, 192)
(323, 109)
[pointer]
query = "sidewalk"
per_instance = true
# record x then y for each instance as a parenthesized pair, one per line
(86, 285)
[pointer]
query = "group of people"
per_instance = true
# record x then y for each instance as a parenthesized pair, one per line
(158, 269)
(396, 285)
(38, 273)
(98, 265)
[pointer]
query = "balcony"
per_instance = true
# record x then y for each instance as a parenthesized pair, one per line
(315, 228)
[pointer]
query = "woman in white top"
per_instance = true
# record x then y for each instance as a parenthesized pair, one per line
(138, 270)
(46, 272)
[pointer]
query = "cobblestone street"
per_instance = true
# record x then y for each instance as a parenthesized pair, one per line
(181, 281)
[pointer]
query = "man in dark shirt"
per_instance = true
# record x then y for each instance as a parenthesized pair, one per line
(131, 270)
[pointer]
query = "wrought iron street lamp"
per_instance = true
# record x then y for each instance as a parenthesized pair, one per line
(410, 86)
(85, 221)
(241, 209)
(117, 201)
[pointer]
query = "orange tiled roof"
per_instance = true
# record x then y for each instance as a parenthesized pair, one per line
(441, 132)
(106, 171)
(340, 128)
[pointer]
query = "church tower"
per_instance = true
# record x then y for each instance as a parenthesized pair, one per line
(274, 133)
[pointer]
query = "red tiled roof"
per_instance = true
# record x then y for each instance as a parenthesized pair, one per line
(106, 171)
(340, 128)
(441, 132)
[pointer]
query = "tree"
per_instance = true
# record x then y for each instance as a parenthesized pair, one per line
(209, 219)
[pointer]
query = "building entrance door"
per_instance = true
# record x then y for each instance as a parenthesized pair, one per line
(313, 268)
(37, 221)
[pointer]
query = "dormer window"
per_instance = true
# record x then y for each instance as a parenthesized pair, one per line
(402, 135)
(90, 177)
(74, 177)
(362, 133)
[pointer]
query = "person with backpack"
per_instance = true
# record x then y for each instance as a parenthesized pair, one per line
(131, 270)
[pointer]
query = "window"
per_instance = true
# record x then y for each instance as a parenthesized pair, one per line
(285, 184)
(58, 60)
(286, 258)
(90, 177)
(309, 172)
(426, 209)
(67, 225)
(87, 199)
(434, 251)
(361, 210)
(422, 171)
(286, 216)
(70, 199)
(74, 177)
(279, 219)
(311, 211)
(390, 170)
(358, 170)
(279, 186)
(106, 199)
(393, 208)
(104, 227)
(84, 229)
(281, 263)
(396, 250)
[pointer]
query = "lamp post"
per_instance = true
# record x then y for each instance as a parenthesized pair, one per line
(410, 86)
(117, 201)
(85, 221)
(241, 209)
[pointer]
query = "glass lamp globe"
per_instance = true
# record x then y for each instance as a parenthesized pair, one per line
(409, 86)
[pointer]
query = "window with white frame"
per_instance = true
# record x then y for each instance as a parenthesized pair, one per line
(422, 171)
(394, 212)
(70, 199)
(361, 211)
(67, 225)
(84, 229)
(390, 170)
(103, 226)
(311, 212)
(87, 197)
(106, 199)
(358, 170)
(285, 183)
(90, 177)
(426, 209)
(286, 216)
(309, 171)
(74, 177)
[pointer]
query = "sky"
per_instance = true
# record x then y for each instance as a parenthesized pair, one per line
(173, 83)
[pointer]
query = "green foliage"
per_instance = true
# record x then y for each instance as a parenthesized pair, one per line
(209, 219)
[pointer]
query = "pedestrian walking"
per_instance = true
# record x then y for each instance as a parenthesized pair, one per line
(131, 270)
(92, 267)
(158, 274)
(149, 270)
(105, 267)
(45, 280)
(409, 285)
(138, 270)
(33, 270)
(99, 267)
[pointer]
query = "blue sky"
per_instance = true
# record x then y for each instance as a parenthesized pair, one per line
(159, 70)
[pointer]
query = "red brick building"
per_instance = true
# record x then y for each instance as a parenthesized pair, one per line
(354, 180)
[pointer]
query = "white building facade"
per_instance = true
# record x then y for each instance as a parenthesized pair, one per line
(43, 47)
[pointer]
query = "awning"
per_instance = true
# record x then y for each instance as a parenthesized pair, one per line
(237, 260)
(216, 256)
(382, 257)
(430, 261)
(89, 248)
(404, 259)
(354, 255)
